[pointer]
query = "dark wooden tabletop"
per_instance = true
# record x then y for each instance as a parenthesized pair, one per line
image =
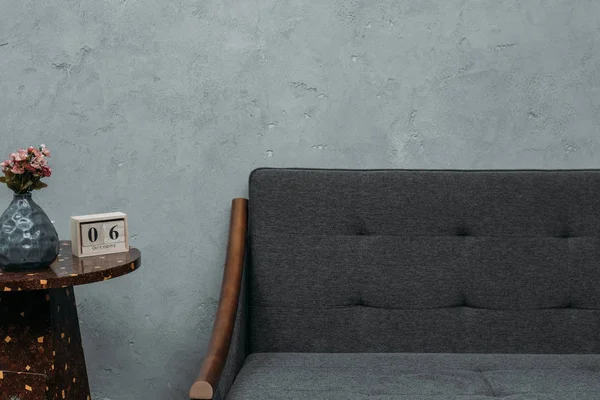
(69, 270)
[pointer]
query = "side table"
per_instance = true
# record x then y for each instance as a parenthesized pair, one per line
(41, 357)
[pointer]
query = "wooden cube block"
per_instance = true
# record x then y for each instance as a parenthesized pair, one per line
(98, 234)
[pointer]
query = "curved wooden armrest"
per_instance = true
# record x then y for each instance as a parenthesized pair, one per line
(218, 346)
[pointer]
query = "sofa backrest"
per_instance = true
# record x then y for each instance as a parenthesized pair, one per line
(424, 261)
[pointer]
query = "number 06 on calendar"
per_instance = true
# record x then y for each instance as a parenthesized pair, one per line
(97, 234)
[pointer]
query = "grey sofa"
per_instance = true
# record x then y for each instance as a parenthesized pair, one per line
(411, 284)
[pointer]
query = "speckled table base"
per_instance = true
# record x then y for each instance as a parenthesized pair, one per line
(41, 357)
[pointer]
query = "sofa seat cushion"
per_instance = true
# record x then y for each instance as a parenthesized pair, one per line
(417, 376)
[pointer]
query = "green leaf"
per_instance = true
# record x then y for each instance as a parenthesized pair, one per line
(39, 185)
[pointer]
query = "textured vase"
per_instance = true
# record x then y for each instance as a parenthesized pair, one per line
(28, 240)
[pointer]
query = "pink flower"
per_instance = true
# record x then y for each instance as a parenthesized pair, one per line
(30, 164)
(39, 162)
(21, 155)
(44, 150)
(17, 169)
(6, 165)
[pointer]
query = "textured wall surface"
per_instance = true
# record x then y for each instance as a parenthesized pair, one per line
(160, 109)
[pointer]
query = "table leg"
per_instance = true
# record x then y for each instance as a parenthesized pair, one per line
(40, 346)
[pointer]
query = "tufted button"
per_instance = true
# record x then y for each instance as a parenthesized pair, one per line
(362, 230)
(564, 231)
(355, 300)
(463, 300)
(462, 231)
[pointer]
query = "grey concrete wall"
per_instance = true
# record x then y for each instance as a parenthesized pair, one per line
(161, 108)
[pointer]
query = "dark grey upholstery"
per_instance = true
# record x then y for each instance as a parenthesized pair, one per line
(424, 261)
(427, 284)
(322, 376)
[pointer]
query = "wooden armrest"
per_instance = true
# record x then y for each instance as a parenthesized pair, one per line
(218, 346)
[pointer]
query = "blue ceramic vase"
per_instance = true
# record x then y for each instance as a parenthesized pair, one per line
(28, 240)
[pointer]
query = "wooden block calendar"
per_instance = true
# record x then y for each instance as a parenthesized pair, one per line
(97, 234)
